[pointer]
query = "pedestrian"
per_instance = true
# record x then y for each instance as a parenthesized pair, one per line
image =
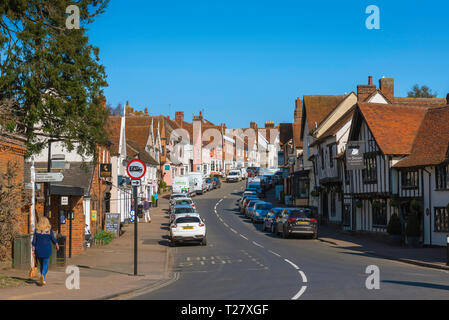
(156, 198)
(146, 210)
(43, 237)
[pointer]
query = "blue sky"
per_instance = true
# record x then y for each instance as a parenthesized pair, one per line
(248, 60)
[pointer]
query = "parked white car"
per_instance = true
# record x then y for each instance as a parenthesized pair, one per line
(181, 185)
(234, 176)
(188, 228)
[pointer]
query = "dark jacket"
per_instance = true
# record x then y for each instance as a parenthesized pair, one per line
(42, 243)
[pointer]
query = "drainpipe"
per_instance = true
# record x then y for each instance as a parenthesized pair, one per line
(430, 206)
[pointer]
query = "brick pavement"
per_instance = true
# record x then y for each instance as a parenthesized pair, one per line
(107, 271)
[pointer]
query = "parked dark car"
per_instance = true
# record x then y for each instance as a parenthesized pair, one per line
(269, 221)
(300, 221)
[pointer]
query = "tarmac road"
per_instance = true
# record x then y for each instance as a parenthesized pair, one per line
(241, 262)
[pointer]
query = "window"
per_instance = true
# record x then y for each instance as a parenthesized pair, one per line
(369, 174)
(347, 215)
(379, 213)
(331, 156)
(322, 158)
(409, 179)
(442, 177)
(441, 220)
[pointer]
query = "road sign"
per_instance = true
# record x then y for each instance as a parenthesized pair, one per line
(131, 216)
(136, 169)
(49, 177)
(135, 183)
(64, 201)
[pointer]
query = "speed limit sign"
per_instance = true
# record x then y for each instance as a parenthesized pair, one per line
(136, 169)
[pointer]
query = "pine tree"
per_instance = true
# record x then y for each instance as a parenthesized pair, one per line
(51, 81)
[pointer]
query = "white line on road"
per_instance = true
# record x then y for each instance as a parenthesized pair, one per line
(303, 288)
(294, 265)
(244, 237)
(256, 244)
(303, 276)
(225, 224)
(276, 254)
(233, 230)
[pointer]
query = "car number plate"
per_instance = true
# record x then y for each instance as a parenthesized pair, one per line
(187, 228)
(302, 222)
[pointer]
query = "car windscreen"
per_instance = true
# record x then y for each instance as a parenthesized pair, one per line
(264, 206)
(188, 220)
(184, 210)
(184, 202)
(233, 173)
(300, 214)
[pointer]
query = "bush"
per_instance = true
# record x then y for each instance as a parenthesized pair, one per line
(412, 229)
(105, 235)
(394, 225)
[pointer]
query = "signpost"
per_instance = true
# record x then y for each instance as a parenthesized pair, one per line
(136, 170)
(49, 177)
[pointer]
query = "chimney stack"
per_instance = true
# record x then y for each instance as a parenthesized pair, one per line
(298, 111)
(447, 99)
(253, 125)
(386, 86)
(364, 91)
(179, 118)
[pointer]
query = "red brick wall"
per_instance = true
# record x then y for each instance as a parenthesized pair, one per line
(13, 150)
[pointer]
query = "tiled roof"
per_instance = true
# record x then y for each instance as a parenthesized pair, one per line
(424, 102)
(340, 123)
(133, 148)
(317, 107)
(394, 126)
(285, 132)
(138, 129)
(432, 142)
(113, 131)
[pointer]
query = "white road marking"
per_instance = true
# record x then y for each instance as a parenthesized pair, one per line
(233, 230)
(294, 265)
(276, 254)
(303, 288)
(244, 237)
(256, 244)
(303, 276)
(225, 224)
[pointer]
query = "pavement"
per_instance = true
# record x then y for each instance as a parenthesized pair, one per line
(107, 272)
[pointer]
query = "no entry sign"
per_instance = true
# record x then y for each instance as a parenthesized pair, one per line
(136, 169)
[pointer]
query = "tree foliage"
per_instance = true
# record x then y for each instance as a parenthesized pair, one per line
(421, 92)
(51, 81)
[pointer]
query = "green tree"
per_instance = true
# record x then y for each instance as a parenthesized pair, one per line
(421, 92)
(51, 81)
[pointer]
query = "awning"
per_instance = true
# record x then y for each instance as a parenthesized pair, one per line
(66, 190)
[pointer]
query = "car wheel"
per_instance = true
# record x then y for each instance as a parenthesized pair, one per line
(284, 234)
(172, 243)
(204, 242)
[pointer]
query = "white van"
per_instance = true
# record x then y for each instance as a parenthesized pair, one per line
(181, 185)
(197, 182)
(234, 176)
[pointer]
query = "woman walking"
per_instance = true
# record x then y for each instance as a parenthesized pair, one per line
(43, 237)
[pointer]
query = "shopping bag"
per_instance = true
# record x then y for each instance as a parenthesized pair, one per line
(33, 269)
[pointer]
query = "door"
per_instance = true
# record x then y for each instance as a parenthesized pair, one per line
(324, 207)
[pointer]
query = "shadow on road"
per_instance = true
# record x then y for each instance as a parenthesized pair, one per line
(419, 284)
